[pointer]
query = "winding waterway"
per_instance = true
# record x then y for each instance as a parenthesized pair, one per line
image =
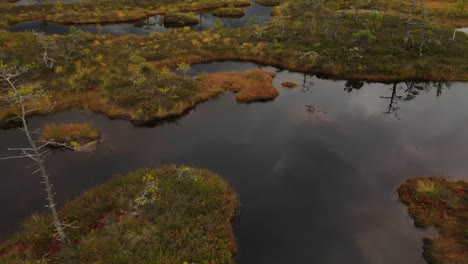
(316, 169)
(259, 13)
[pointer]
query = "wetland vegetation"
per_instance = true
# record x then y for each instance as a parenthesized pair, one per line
(170, 214)
(76, 136)
(442, 204)
(147, 78)
(127, 76)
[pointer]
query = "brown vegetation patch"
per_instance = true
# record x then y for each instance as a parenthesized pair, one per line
(442, 204)
(250, 86)
(289, 84)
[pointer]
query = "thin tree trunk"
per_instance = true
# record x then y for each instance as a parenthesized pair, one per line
(409, 21)
(39, 160)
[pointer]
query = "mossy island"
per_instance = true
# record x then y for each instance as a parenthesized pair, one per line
(75, 136)
(289, 84)
(269, 2)
(172, 214)
(180, 20)
(442, 204)
(233, 12)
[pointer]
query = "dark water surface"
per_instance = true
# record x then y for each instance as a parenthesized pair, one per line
(316, 169)
(259, 13)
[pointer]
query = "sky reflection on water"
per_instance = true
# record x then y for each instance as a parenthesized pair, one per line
(316, 169)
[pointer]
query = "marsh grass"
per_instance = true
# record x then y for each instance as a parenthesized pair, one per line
(443, 204)
(426, 186)
(189, 220)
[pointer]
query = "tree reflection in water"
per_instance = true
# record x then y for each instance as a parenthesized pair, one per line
(400, 92)
(407, 91)
(307, 83)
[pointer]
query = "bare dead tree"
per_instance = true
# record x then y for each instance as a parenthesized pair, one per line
(410, 20)
(16, 94)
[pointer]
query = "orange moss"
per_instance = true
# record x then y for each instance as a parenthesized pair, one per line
(70, 132)
(289, 84)
(250, 86)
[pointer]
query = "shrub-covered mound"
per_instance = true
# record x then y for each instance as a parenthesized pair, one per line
(71, 135)
(442, 204)
(166, 215)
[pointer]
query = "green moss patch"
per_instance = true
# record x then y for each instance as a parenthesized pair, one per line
(77, 136)
(229, 12)
(442, 204)
(166, 215)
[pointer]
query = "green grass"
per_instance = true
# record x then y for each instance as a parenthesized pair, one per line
(442, 204)
(186, 216)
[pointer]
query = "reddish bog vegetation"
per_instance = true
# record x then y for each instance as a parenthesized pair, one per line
(250, 86)
(442, 204)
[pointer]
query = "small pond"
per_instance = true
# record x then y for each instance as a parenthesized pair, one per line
(316, 169)
(260, 13)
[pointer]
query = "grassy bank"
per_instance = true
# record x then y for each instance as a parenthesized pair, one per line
(183, 216)
(442, 204)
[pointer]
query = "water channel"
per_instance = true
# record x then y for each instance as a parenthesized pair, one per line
(256, 12)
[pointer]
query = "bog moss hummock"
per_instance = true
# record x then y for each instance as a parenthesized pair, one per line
(167, 215)
(442, 204)
(289, 84)
(76, 136)
(180, 20)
